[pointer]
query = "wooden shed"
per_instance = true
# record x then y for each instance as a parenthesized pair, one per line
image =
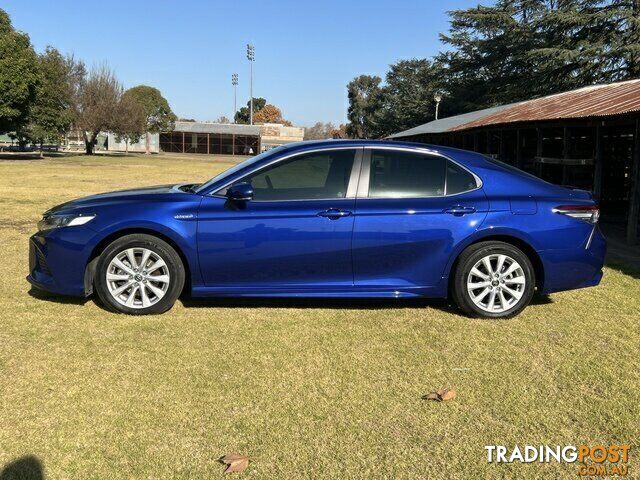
(587, 138)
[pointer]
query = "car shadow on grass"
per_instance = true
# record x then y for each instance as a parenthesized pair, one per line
(52, 297)
(325, 303)
(441, 304)
(28, 467)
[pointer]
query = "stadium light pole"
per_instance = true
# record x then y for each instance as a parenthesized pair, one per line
(234, 82)
(251, 56)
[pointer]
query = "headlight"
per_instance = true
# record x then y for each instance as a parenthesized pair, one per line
(49, 222)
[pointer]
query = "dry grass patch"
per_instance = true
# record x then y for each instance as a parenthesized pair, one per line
(305, 389)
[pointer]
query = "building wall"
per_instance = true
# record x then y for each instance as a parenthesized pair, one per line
(113, 146)
(274, 134)
(209, 143)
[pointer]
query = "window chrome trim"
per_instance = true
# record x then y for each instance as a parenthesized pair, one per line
(351, 186)
(363, 187)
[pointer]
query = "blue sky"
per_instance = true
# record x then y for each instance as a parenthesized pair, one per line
(306, 52)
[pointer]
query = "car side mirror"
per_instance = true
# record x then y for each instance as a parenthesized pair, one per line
(240, 192)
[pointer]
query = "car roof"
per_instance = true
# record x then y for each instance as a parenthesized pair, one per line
(477, 162)
(329, 143)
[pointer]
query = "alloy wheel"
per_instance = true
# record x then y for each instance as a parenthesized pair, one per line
(496, 283)
(137, 278)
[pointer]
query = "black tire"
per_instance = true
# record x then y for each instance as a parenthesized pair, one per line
(160, 248)
(476, 253)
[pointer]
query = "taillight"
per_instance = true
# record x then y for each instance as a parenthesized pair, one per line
(588, 213)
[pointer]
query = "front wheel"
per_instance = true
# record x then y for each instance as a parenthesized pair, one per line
(493, 279)
(139, 275)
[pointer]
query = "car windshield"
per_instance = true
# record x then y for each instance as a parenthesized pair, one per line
(247, 163)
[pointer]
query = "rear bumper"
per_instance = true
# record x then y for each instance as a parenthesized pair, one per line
(568, 269)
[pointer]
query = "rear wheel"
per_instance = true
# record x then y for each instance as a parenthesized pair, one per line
(493, 279)
(139, 275)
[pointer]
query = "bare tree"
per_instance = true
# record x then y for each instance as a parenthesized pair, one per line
(340, 132)
(319, 131)
(96, 104)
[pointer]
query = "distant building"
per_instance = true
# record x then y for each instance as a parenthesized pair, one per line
(6, 141)
(227, 138)
(192, 137)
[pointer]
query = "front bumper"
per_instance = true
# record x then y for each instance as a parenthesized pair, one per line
(58, 259)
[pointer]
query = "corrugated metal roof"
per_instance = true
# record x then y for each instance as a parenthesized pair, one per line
(208, 127)
(594, 101)
(449, 123)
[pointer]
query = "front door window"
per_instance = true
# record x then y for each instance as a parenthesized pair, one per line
(311, 176)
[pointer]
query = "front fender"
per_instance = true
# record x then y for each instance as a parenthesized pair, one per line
(180, 232)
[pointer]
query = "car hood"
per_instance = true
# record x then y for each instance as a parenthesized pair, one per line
(121, 196)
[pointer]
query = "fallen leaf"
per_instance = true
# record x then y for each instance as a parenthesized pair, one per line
(237, 463)
(442, 395)
(448, 395)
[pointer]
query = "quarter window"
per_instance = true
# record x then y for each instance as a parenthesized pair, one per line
(458, 179)
(398, 174)
(318, 175)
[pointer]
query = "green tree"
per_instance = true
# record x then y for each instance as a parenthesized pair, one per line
(511, 51)
(19, 76)
(582, 42)
(243, 115)
(51, 115)
(156, 108)
(520, 49)
(365, 107)
(487, 62)
(628, 44)
(408, 94)
(132, 121)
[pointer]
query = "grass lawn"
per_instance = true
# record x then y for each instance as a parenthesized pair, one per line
(306, 389)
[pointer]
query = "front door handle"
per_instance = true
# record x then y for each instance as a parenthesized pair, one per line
(334, 213)
(459, 210)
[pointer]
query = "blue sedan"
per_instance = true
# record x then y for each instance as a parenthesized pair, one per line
(328, 219)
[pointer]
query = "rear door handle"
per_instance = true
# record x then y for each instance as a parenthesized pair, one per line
(334, 213)
(459, 210)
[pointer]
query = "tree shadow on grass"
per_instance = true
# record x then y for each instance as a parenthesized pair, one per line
(52, 297)
(25, 468)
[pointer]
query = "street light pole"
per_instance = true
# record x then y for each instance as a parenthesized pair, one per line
(438, 98)
(251, 56)
(234, 82)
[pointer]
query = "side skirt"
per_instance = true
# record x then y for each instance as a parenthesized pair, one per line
(298, 292)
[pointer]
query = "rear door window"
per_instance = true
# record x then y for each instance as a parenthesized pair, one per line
(402, 174)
